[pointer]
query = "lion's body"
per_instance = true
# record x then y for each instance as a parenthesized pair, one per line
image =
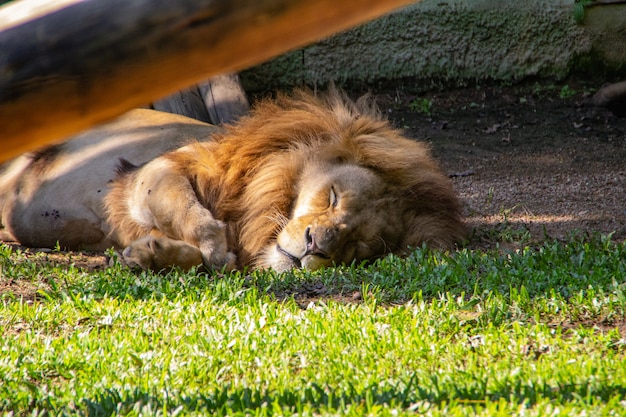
(56, 195)
(326, 178)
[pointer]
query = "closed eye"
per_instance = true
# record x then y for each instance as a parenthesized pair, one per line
(334, 199)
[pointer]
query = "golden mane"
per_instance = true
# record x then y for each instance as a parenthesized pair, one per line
(248, 175)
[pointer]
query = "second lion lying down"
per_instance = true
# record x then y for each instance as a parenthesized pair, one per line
(303, 181)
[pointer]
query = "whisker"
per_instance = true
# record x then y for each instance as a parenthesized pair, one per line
(278, 218)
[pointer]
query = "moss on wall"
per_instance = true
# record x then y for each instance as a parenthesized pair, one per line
(452, 41)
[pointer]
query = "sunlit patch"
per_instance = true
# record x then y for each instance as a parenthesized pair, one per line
(493, 219)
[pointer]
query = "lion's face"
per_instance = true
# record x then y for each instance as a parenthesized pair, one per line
(343, 212)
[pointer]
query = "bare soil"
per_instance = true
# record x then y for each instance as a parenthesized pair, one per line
(530, 162)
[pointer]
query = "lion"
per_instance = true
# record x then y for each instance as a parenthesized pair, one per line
(304, 181)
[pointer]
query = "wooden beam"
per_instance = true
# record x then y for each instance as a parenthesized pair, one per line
(224, 98)
(91, 60)
(188, 102)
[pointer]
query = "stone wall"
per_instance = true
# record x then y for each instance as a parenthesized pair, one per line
(456, 41)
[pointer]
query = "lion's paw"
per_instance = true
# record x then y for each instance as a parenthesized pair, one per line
(214, 247)
(158, 253)
(230, 261)
(161, 253)
(220, 260)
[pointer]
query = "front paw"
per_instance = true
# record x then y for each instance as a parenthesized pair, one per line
(214, 248)
(218, 260)
(161, 253)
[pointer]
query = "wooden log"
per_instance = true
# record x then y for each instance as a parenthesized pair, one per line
(91, 60)
(218, 100)
(225, 98)
(188, 102)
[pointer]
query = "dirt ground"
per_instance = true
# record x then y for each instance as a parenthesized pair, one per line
(529, 161)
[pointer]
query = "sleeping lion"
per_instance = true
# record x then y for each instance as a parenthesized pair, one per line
(304, 181)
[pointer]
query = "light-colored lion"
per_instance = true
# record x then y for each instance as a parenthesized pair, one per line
(303, 181)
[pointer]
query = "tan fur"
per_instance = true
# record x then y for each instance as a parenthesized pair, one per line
(161, 253)
(234, 196)
(56, 195)
(303, 181)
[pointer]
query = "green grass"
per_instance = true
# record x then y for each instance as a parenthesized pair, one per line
(421, 105)
(531, 333)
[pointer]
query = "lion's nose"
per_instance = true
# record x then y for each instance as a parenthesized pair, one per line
(311, 244)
